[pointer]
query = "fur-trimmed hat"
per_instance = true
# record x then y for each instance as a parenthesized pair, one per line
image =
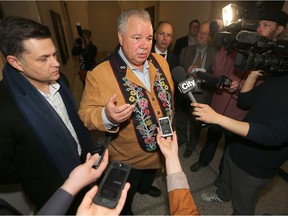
(279, 17)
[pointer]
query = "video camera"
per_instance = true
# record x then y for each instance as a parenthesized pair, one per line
(253, 52)
(80, 33)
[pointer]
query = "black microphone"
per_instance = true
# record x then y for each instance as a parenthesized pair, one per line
(178, 74)
(185, 86)
(207, 77)
(219, 82)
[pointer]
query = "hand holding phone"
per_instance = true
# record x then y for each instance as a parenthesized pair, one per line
(88, 207)
(100, 148)
(112, 184)
(165, 126)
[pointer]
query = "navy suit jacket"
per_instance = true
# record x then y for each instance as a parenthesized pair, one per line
(172, 59)
(23, 160)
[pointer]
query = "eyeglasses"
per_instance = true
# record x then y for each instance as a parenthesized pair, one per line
(163, 34)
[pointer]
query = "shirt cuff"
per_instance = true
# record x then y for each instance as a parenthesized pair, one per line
(107, 123)
(177, 181)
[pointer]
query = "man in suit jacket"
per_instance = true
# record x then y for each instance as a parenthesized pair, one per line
(189, 39)
(163, 37)
(200, 55)
(42, 138)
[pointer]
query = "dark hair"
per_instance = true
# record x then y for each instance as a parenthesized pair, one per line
(14, 30)
(163, 22)
(195, 20)
(86, 33)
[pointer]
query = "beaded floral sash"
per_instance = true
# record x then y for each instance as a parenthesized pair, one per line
(144, 118)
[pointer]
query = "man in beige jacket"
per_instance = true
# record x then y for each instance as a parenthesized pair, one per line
(125, 96)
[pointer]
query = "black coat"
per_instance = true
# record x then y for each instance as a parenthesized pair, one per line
(180, 44)
(22, 158)
(172, 59)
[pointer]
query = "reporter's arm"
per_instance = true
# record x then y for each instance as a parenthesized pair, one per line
(58, 204)
(237, 127)
(182, 203)
(85, 174)
(80, 177)
(205, 113)
(250, 81)
(180, 199)
(169, 148)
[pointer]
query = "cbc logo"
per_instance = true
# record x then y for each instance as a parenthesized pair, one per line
(188, 84)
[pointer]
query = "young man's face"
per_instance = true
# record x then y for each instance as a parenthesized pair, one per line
(39, 61)
(136, 41)
(164, 36)
(269, 29)
(193, 29)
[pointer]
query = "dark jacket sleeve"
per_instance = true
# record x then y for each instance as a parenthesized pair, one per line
(89, 54)
(58, 204)
(272, 134)
(8, 171)
(244, 100)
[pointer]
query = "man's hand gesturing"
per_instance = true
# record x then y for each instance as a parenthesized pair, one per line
(118, 114)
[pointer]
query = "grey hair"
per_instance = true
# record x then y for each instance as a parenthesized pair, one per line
(123, 18)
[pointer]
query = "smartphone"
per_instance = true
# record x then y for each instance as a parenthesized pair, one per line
(100, 148)
(165, 126)
(112, 184)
